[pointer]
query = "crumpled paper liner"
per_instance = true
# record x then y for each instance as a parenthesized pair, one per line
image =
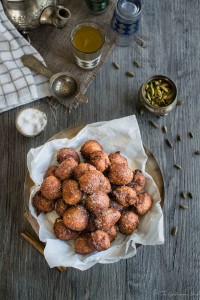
(117, 135)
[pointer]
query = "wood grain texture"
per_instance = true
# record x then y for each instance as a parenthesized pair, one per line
(170, 30)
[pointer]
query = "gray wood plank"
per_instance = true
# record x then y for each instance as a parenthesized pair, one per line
(170, 30)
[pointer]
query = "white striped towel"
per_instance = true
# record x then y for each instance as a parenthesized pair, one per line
(18, 84)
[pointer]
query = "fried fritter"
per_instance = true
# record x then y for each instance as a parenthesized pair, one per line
(71, 192)
(66, 168)
(64, 153)
(100, 240)
(128, 222)
(42, 204)
(138, 182)
(97, 202)
(107, 219)
(143, 204)
(51, 187)
(125, 195)
(60, 207)
(117, 158)
(91, 181)
(81, 169)
(100, 160)
(82, 244)
(76, 218)
(112, 233)
(62, 232)
(89, 147)
(120, 174)
(50, 171)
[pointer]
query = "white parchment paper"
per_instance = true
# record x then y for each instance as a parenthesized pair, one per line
(117, 135)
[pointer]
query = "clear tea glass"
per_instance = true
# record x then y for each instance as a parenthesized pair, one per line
(87, 41)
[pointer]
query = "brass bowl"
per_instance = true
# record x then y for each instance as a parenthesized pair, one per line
(162, 110)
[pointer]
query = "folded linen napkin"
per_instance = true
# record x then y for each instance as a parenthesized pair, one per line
(18, 84)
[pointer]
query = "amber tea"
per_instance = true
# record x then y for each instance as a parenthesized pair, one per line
(88, 39)
(87, 43)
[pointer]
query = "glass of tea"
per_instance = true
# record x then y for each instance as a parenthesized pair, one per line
(87, 40)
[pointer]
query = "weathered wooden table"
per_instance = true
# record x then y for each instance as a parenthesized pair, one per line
(170, 30)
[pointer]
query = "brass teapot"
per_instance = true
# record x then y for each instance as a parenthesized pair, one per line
(27, 15)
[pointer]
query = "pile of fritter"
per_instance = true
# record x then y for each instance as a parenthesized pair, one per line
(94, 199)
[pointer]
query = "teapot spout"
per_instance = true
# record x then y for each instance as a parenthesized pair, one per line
(57, 16)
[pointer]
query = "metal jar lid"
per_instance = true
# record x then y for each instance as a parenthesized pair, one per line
(162, 110)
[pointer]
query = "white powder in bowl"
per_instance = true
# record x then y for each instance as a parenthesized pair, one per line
(31, 121)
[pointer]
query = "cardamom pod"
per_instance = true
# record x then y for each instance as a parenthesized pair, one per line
(183, 195)
(177, 166)
(169, 143)
(154, 124)
(179, 102)
(174, 230)
(197, 152)
(164, 88)
(183, 206)
(164, 129)
(137, 64)
(190, 195)
(130, 74)
(191, 135)
(115, 65)
(141, 112)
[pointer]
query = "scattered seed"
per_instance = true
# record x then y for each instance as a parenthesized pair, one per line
(140, 42)
(177, 166)
(169, 143)
(191, 135)
(115, 65)
(174, 230)
(183, 195)
(130, 74)
(197, 152)
(190, 195)
(183, 206)
(137, 64)
(179, 102)
(178, 138)
(164, 129)
(154, 124)
(141, 112)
